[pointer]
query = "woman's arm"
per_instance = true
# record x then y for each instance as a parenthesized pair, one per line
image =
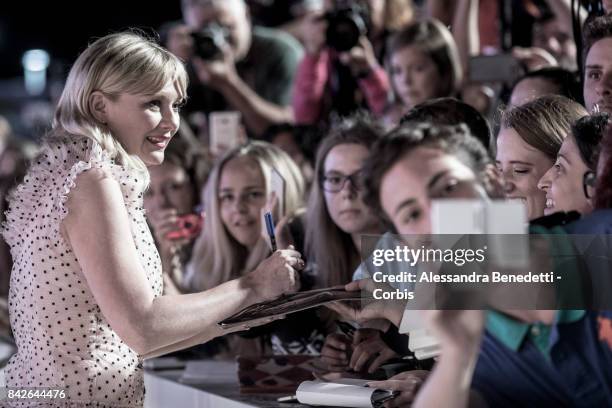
(97, 227)
(465, 32)
(459, 333)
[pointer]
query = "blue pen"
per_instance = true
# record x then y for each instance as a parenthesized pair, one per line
(270, 229)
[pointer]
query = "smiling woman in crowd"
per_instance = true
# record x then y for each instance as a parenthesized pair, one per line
(528, 143)
(569, 183)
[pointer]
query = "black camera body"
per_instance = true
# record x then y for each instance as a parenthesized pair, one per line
(345, 24)
(208, 43)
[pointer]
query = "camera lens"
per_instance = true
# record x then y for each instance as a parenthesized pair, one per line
(209, 42)
(345, 26)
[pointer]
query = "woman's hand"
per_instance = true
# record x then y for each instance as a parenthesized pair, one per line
(335, 352)
(365, 310)
(276, 275)
(369, 351)
(216, 73)
(458, 331)
(162, 222)
(534, 58)
(407, 383)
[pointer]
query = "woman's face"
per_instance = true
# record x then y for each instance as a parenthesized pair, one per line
(415, 76)
(242, 195)
(562, 183)
(345, 206)
(144, 124)
(170, 188)
(522, 166)
(422, 175)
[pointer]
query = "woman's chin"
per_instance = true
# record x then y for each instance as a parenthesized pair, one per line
(153, 159)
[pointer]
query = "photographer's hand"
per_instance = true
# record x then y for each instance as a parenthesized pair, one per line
(216, 73)
(360, 58)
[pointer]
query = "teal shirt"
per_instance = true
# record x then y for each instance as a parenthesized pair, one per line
(513, 333)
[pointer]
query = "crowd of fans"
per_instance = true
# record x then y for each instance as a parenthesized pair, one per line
(360, 133)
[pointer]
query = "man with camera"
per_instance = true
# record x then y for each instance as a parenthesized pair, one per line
(340, 72)
(239, 67)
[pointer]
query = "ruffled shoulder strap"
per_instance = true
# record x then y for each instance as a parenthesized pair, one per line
(38, 202)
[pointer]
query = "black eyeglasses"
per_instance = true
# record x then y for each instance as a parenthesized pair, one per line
(335, 182)
(588, 183)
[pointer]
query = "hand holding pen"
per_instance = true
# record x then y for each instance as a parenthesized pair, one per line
(270, 229)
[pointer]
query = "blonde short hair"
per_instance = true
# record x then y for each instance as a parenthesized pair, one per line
(116, 64)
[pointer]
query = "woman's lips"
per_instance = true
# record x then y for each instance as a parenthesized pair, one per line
(159, 141)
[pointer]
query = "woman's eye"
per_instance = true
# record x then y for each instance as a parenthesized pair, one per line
(450, 187)
(177, 106)
(255, 194)
(594, 75)
(226, 198)
(154, 104)
(558, 168)
(521, 171)
(411, 216)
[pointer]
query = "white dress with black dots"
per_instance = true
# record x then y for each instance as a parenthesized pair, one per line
(63, 340)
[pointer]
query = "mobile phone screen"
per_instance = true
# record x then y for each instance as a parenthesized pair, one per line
(277, 186)
(224, 131)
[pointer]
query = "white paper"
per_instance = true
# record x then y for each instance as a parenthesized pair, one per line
(224, 131)
(349, 393)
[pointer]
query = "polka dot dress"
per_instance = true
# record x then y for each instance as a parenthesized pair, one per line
(63, 339)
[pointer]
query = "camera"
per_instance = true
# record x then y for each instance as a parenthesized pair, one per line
(187, 226)
(210, 41)
(345, 24)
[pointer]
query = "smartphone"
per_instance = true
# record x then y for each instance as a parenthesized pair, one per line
(277, 186)
(495, 68)
(224, 131)
(189, 226)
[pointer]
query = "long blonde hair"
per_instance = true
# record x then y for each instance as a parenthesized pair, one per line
(217, 257)
(115, 64)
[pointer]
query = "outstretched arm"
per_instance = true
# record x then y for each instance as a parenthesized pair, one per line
(97, 227)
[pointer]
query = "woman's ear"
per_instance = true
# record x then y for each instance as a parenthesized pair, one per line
(98, 106)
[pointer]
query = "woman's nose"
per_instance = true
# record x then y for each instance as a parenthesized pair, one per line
(349, 190)
(171, 121)
(509, 186)
(240, 205)
(546, 181)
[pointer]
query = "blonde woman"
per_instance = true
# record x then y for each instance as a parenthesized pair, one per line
(85, 294)
(231, 244)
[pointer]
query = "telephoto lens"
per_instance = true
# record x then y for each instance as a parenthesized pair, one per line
(344, 27)
(210, 41)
